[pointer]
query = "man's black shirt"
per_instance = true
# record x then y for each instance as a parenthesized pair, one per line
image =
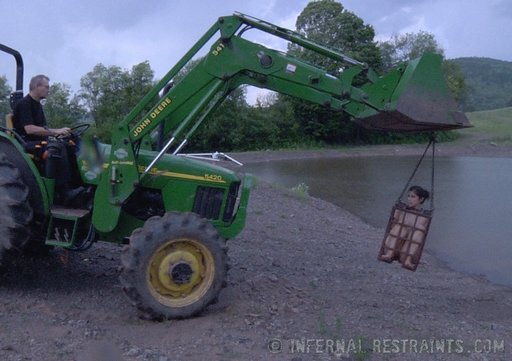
(28, 112)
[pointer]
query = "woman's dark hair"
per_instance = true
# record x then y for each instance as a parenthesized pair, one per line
(420, 192)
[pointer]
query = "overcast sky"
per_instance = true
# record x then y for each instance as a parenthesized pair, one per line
(65, 39)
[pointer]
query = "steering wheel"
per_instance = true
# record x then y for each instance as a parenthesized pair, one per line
(75, 131)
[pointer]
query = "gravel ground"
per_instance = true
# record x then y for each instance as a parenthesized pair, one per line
(305, 284)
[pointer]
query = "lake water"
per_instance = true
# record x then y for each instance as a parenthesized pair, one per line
(471, 229)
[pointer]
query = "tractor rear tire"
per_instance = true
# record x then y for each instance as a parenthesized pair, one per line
(15, 211)
(174, 267)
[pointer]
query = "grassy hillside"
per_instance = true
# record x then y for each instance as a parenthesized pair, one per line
(489, 83)
(493, 124)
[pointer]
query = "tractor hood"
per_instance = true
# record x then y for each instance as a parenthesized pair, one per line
(177, 167)
(169, 167)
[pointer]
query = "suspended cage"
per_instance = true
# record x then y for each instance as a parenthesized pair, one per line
(407, 228)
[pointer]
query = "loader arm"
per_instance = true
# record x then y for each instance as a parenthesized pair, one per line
(412, 97)
(233, 61)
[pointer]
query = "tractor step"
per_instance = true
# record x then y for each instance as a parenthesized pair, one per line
(61, 212)
(67, 226)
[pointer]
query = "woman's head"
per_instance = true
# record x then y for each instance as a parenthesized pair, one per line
(416, 196)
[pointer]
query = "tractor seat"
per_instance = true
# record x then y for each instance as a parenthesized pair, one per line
(9, 128)
(9, 121)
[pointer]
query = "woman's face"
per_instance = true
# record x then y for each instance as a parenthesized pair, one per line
(413, 200)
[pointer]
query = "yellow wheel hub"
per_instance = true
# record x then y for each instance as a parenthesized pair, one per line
(180, 272)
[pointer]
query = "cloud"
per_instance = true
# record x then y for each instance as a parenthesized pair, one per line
(501, 8)
(67, 38)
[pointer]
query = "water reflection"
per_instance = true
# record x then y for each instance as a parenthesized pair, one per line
(471, 228)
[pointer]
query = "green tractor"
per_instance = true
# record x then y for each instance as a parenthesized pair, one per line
(175, 213)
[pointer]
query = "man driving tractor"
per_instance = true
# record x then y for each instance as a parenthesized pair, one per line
(30, 123)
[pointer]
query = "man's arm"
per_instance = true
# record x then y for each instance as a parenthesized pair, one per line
(32, 129)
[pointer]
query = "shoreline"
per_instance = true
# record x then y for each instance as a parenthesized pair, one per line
(483, 148)
(480, 148)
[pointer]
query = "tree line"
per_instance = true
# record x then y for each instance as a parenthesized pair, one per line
(108, 93)
(488, 83)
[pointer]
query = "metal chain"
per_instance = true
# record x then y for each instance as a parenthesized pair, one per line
(432, 142)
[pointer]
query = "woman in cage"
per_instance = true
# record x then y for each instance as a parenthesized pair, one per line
(408, 229)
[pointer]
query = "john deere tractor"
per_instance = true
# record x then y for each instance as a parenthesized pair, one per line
(175, 213)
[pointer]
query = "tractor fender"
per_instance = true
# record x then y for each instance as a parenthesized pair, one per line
(15, 153)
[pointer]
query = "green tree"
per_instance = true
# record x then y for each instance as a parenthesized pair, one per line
(61, 109)
(402, 48)
(327, 22)
(110, 93)
(276, 111)
(224, 130)
(5, 91)
(229, 127)
(456, 80)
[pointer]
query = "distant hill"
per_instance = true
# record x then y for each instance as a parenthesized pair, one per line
(496, 124)
(489, 82)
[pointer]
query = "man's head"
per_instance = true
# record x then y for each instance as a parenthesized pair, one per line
(39, 87)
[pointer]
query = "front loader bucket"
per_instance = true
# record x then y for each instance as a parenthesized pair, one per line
(413, 101)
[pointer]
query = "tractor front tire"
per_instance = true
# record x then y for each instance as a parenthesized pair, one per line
(15, 211)
(174, 267)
